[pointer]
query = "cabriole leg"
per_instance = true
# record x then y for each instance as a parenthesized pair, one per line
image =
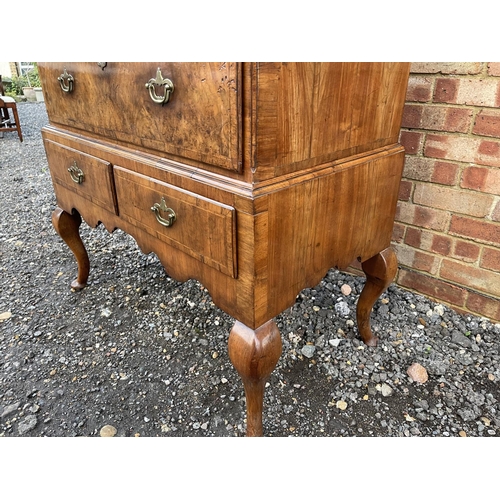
(380, 271)
(67, 226)
(254, 354)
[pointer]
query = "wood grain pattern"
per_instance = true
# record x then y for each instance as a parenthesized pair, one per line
(313, 113)
(97, 185)
(200, 122)
(254, 354)
(278, 171)
(204, 229)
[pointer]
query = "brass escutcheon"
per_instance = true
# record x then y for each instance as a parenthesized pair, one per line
(162, 207)
(76, 173)
(66, 81)
(160, 82)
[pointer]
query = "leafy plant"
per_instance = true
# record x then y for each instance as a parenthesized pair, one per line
(29, 79)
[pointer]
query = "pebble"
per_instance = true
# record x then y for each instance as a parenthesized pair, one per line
(9, 409)
(308, 350)
(346, 289)
(418, 373)
(342, 308)
(341, 405)
(5, 315)
(27, 424)
(108, 431)
(386, 390)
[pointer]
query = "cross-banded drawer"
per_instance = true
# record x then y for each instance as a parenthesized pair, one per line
(202, 228)
(88, 176)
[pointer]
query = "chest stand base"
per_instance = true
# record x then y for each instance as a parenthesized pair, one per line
(253, 353)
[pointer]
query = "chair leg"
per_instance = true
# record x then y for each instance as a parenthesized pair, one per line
(18, 124)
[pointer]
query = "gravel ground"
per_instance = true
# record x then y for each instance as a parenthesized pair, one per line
(140, 354)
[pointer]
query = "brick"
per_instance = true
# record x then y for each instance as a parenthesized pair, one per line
(488, 232)
(441, 118)
(471, 277)
(483, 306)
(486, 180)
(453, 200)
(425, 240)
(494, 69)
(496, 213)
(446, 90)
(411, 141)
(487, 123)
(420, 261)
(412, 116)
(413, 237)
(468, 252)
(479, 92)
(428, 169)
(472, 92)
(432, 287)
(422, 216)
(449, 68)
(446, 119)
(489, 148)
(419, 89)
(441, 244)
(398, 232)
(405, 190)
(490, 259)
(464, 149)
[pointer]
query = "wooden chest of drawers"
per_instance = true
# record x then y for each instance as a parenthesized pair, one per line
(253, 178)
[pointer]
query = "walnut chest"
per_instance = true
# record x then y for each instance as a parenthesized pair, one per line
(253, 178)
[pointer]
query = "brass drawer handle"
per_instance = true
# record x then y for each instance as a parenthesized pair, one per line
(161, 82)
(162, 207)
(76, 173)
(66, 81)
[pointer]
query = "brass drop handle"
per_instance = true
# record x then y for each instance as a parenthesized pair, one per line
(162, 207)
(159, 81)
(66, 81)
(76, 173)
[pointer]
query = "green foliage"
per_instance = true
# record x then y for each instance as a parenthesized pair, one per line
(30, 79)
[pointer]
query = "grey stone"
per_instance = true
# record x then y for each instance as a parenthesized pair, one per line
(27, 424)
(308, 351)
(9, 409)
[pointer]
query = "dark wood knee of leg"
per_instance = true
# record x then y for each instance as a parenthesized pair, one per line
(254, 354)
(68, 227)
(380, 271)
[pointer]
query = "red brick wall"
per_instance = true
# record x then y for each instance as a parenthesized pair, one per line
(447, 231)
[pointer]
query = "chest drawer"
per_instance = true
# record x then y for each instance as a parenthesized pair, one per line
(200, 121)
(200, 227)
(86, 175)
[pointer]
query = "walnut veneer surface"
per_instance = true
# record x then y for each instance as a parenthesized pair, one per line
(253, 178)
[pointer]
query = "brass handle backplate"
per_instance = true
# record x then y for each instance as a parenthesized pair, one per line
(159, 81)
(162, 207)
(76, 173)
(66, 81)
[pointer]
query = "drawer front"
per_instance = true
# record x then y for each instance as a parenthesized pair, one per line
(199, 122)
(202, 228)
(86, 175)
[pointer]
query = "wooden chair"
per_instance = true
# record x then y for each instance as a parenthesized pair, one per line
(8, 124)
